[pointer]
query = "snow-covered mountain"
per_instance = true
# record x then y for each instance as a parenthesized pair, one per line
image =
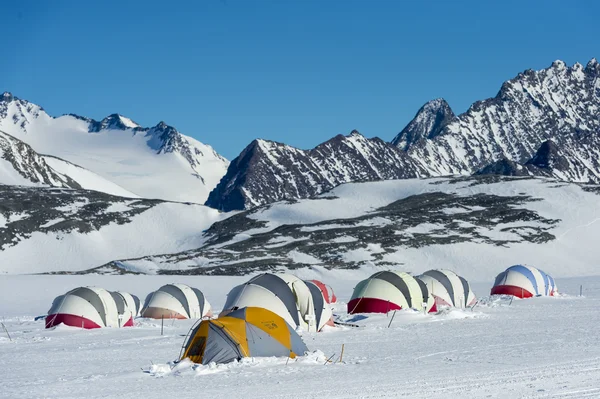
(504, 134)
(267, 171)
(560, 103)
(46, 229)
(157, 162)
(473, 225)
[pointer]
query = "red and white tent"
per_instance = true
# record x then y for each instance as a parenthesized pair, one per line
(327, 291)
(92, 307)
(390, 290)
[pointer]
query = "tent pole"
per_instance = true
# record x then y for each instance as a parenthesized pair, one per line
(394, 314)
(162, 323)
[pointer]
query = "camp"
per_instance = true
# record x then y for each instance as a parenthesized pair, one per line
(327, 291)
(524, 282)
(299, 303)
(245, 332)
(448, 288)
(176, 301)
(390, 290)
(90, 307)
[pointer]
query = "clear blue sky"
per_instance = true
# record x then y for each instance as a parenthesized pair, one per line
(229, 71)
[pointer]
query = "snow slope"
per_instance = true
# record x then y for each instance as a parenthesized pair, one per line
(535, 348)
(86, 179)
(157, 162)
(475, 226)
(47, 230)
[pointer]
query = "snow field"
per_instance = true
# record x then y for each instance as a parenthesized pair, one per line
(535, 348)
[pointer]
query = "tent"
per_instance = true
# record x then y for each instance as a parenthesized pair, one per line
(90, 307)
(176, 301)
(132, 301)
(299, 303)
(524, 282)
(390, 290)
(448, 288)
(326, 290)
(245, 332)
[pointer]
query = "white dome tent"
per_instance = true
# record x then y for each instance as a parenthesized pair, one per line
(448, 288)
(132, 301)
(524, 282)
(299, 303)
(390, 290)
(90, 307)
(176, 301)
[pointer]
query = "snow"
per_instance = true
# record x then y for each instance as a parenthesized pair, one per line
(164, 228)
(534, 348)
(568, 255)
(86, 179)
(120, 162)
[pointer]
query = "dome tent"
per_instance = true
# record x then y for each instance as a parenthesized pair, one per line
(245, 332)
(90, 307)
(299, 303)
(390, 290)
(326, 290)
(448, 288)
(176, 301)
(524, 282)
(132, 301)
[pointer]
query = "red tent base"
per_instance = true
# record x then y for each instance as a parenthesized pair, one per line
(371, 305)
(69, 320)
(511, 290)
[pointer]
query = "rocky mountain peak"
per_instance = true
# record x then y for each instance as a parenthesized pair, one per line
(428, 123)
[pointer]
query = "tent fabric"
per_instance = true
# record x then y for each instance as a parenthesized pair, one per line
(448, 288)
(90, 307)
(390, 290)
(300, 303)
(176, 301)
(327, 291)
(245, 332)
(524, 282)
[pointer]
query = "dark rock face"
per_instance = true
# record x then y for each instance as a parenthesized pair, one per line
(429, 123)
(267, 171)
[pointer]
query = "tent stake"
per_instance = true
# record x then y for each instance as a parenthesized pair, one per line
(394, 314)
(162, 323)
(511, 299)
(341, 354)
(581, 290)
(329, 360)
(6, 331)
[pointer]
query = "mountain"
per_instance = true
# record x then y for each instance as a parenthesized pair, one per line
(474, 225)
(267, 171)
(44, 229)
(503, 134)
(156, 162)
(560, 103)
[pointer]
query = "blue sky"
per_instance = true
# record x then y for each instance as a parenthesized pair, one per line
(299, 72)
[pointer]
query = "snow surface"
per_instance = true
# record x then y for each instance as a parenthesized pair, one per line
(86, 179)
(570, 254)
(164, 228)
(534, 348)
